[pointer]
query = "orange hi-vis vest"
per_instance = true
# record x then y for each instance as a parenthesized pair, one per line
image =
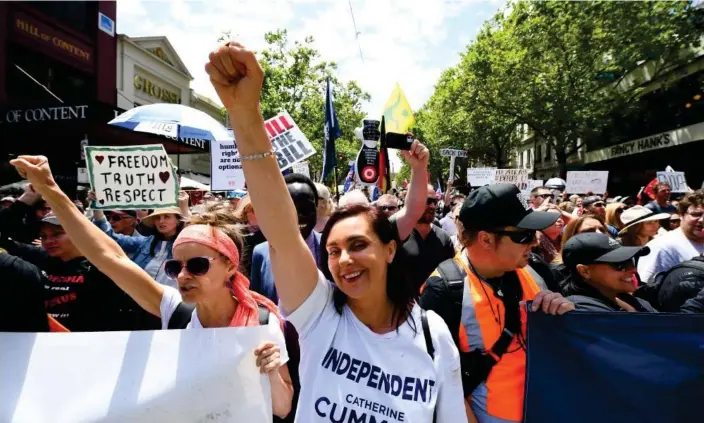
(500, 398)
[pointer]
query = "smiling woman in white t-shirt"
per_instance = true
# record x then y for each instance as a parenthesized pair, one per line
(364, 353)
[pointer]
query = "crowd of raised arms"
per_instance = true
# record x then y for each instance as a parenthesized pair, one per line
(411, 308)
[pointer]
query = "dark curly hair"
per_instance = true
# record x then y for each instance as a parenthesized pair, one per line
(399, 287)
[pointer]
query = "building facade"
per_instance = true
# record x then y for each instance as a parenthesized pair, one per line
(150, 71)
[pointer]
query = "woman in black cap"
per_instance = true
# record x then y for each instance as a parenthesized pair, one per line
(602, 274)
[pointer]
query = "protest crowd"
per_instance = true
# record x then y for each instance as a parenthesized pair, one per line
(408, 306)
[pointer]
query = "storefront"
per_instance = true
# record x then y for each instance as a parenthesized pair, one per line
(633, 164)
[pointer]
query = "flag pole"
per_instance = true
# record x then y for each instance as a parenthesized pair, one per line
(337, 192)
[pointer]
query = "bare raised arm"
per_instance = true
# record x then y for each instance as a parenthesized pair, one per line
(237, 78)
(417, 157)
(92, 242)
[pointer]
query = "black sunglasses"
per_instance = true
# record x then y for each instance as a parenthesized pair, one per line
(114, 217)
(624, 265)
(619, 211)
(196, 266)
(430, 201)
(518, 237)
(546, 196)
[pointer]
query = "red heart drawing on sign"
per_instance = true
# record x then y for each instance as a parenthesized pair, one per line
(164, 176)
(99, 159)
(101, 201)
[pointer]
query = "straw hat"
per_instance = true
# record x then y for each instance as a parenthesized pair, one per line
(166, 210)
(639, 214)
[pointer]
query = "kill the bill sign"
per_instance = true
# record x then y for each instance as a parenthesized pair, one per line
(290, 146)
(133, 177)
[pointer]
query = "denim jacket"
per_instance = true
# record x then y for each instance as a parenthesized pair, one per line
(136, 247)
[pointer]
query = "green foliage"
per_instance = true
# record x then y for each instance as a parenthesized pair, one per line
(553, 66)
(294, 81)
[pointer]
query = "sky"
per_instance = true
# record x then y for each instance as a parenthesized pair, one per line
(406, 41)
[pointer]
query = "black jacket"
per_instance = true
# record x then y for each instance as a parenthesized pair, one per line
(22, 286)
(679, 285)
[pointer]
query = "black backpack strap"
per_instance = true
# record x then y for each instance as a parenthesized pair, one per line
(263, 315)
(428, 346)
(181, 316)
(453, 278)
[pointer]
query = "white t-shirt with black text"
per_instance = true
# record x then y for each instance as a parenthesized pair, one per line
(349, 373)
(172, 298)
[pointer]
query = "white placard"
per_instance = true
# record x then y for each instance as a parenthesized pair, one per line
(449, 152)
(83, 177)
(286, 137)
(676, 180)
(480, 176)
(584, 181)
(302, 168)
(131, 177)
(203, 375)
(518, 177)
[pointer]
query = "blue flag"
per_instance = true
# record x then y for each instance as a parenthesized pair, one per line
(349, 179)
(614, 367)
(332, 132)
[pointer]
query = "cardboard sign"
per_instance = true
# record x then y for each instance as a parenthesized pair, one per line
(302, 168)
(480, 176)
(448, 152)
(582, 182)
(289, 142)
(518, 177)
(83, 177)
(204, 375)
(676, 180)
(133, 177)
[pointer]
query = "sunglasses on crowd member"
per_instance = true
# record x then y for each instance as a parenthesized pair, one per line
(599, 204)
(431, 200)
(546, 196)
(624, 265)
(620, 210)
(196, 266)
(518, 237)
(388, 208)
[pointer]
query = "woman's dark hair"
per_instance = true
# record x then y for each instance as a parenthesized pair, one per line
(158, 237)
(399, 287)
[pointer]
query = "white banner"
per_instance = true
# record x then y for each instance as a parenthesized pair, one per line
(449, 152)
(584, 181)
(132, 177)
(302, 168)
(204, 375)
(480, 176)
(518, 177)
(286, 137)
(676, 180)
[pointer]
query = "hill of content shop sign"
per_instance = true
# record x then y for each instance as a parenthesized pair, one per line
(41, 114)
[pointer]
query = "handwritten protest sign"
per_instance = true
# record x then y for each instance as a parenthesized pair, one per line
(518, 177)
(205, 375)
(302, 168)
(133, 177)
(290, 145)
(480, 176)
(584, 181)
(676, 180)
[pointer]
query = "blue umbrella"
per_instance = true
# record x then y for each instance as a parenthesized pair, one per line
(174, 121)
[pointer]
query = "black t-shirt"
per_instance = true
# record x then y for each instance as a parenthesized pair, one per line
(23, 288)
(79, 296)
(424, 255)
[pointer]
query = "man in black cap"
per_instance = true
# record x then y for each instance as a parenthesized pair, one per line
(123, 222)
(594, 205)
(478, 294)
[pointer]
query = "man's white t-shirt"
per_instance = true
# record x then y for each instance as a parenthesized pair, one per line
(172, 298)
(349, 373)
(666, 251)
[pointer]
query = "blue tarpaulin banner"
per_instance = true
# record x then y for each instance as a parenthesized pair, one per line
(615, 367)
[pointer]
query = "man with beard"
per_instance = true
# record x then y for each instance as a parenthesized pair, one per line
(305, 198)
(679, 245)
(427, 245)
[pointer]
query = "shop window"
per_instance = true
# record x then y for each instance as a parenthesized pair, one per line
(33, 78)
(539, 153)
